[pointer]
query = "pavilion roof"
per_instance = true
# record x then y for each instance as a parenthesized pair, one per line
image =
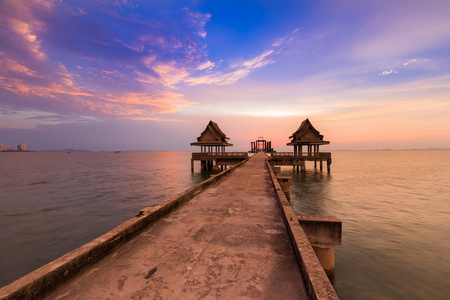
(212, 136)
(307, 134)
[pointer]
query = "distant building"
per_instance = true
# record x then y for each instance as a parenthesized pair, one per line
(20, 147)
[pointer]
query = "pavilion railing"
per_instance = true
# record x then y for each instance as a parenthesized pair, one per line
(290, 155)
(221, 155)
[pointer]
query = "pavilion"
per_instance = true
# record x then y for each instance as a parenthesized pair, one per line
(306, 135)
(212, 142)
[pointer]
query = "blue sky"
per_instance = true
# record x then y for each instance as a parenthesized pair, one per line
(149, 75)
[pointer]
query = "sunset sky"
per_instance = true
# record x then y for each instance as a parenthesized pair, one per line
(149, 75)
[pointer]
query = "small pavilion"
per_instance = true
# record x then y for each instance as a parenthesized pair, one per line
(307, 135)
(212, 142)
(261, 145)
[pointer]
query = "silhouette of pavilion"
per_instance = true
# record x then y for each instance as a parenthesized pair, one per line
(212, 142)
(306, 135)
(261, 145)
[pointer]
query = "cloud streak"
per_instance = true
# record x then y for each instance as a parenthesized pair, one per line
(108, 59)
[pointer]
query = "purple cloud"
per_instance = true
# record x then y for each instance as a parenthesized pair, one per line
(103, 58)
(96, 58)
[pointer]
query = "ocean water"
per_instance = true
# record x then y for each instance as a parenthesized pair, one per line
(395, 209)
(54, 202)
(394, 205)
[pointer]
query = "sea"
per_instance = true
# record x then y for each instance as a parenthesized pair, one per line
(394, 207)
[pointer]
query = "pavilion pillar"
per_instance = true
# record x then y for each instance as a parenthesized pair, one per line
(302, 166)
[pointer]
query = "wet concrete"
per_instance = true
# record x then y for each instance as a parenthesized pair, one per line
(228, 242)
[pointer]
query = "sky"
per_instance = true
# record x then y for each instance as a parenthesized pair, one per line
(150, 75)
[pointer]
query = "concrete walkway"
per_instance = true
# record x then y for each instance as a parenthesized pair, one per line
(228, 242)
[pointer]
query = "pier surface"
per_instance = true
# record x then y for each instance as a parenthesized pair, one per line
(228, 242)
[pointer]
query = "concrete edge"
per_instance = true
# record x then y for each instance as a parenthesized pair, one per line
(321, 229)
(317, 284)
(47, 278)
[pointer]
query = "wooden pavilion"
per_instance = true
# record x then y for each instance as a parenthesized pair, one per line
(212, 142)
(261, 145)
(306, 135)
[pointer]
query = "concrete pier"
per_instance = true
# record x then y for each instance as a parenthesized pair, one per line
(228, 242)
(236, 239)
(323, 232)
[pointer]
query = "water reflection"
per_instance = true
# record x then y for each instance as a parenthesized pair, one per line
(310, 191)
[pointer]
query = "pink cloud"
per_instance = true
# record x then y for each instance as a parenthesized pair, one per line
(106, 59)
(67, 73)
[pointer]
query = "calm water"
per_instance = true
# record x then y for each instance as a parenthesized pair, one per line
(395, 208)
(54, 202)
